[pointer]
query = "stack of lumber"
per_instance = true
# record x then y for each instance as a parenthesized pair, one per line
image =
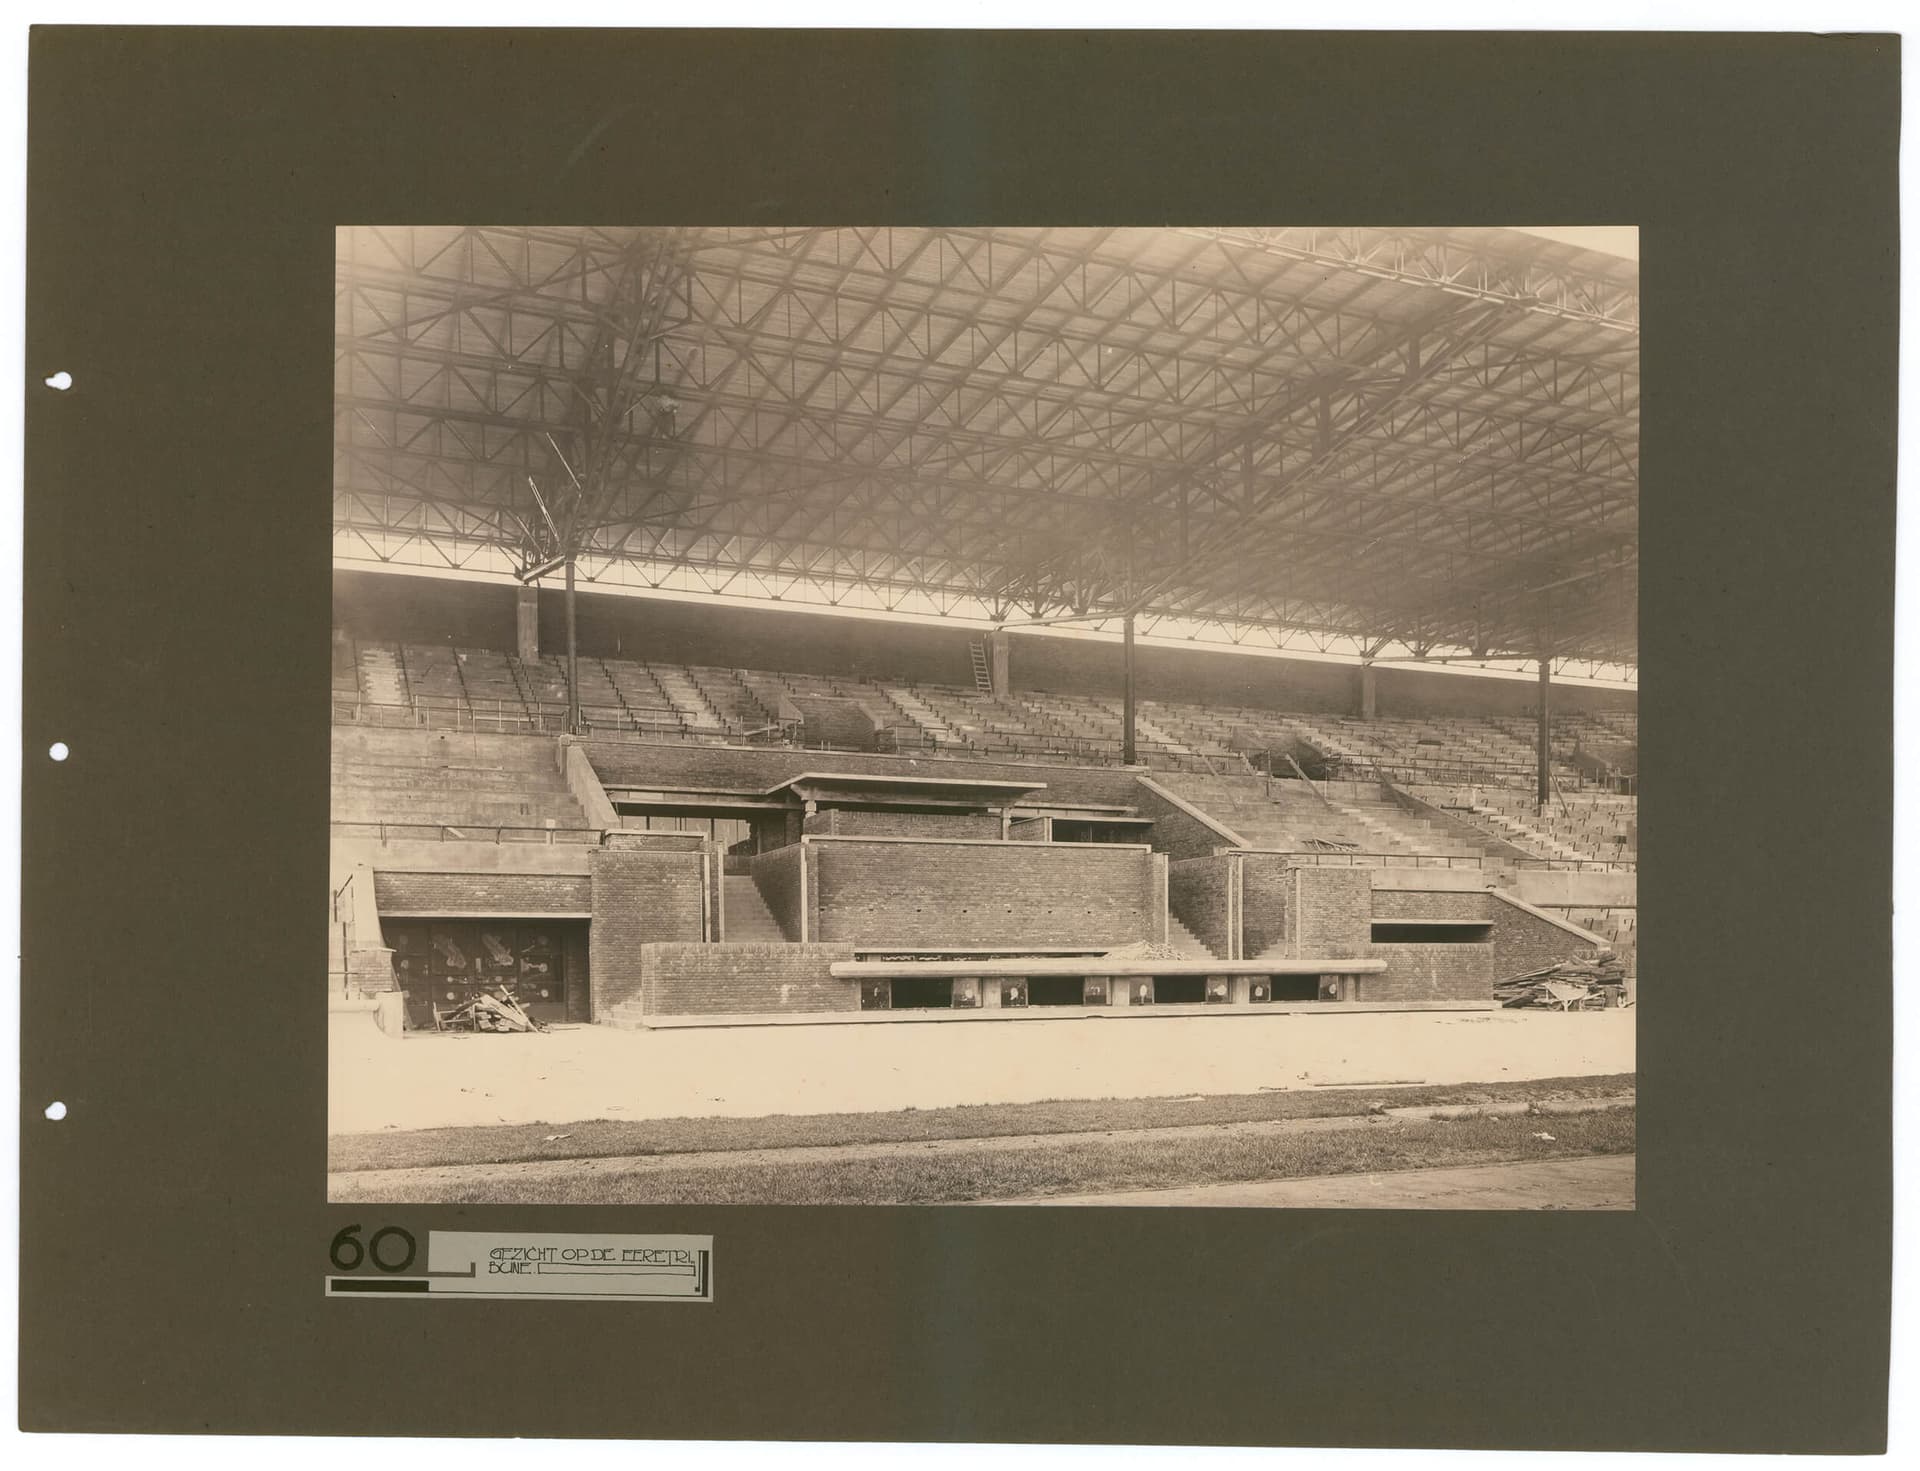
(1597, 979)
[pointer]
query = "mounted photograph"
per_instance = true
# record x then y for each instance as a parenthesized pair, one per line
(1042, 716)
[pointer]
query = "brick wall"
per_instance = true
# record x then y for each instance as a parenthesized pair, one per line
(1197, 895)
(731, 768)
(579, 973)
(1266, 899)
(482, 893)
(1431, 904)
(639, 898)
(1176, 831)
(835, 722)
(631, 840)
(777, 876)
(1524, 940)
(692, 980)
(1431, 973)
(972, 895)
(1332, 912)
(842, 823)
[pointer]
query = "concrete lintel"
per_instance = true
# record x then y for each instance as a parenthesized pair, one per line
(1103, 965)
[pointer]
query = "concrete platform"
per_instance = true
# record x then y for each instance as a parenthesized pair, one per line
(426, 1079)
(917, 1016)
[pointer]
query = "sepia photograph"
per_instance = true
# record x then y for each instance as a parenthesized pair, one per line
(1005, 715)
(982, 714)
(1054, 716)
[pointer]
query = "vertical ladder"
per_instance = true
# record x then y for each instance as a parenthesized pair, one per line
(982, 669)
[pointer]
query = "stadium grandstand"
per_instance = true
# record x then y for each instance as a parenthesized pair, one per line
(748, 625)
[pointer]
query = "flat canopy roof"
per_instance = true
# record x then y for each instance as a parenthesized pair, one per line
(831, 786)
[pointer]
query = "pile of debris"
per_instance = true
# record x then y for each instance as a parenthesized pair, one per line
(1146, 950)
(486, 1011)
(1582, 983)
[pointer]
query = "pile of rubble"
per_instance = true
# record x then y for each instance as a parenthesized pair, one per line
(1583, 983)
(1146, 950)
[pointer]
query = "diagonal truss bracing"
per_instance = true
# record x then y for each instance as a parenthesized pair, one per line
(1419, 439)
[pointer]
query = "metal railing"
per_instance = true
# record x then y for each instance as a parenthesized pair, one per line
(446, 832)
(1324, 858)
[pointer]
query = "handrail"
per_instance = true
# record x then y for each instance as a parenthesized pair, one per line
(1312, 785)
(450, 712)
(448, 832)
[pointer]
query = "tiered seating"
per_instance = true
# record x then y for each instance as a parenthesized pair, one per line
(1449, 745)
(432, 673)
(1619, 926)
(346, 674)
(727, 694)
(922, 725)
(1289, 817)
(1603, 740)
(1480, 768)
(541, 683)
(493, 693)
(639, 693)
(1579, 828)
(689, 702)
(493, 783)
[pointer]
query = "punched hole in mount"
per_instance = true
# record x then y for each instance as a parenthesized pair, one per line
(56, 1110)
(58, 750)
(63, 380)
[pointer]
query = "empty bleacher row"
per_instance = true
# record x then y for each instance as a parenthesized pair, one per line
(1479, 768)
(1577, 827)
(1618, 925)
(1342, 821)
(396, 785)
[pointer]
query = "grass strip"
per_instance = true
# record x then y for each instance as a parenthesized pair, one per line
(990, 1173)
(590, 1138)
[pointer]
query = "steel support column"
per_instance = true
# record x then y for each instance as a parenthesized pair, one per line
(573, 661)
(1127, 753)
(1545, 773)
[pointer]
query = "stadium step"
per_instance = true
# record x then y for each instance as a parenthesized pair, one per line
(748, 921)
(1185, 941)
(380, 676)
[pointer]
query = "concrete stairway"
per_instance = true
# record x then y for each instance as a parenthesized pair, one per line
(380, 678)
(921, 714)
(1185, 941)
(688, 698)
(748, 920)
(481, 781)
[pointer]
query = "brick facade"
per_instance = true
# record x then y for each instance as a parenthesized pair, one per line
(731, 768)
(639, 898)
(482, 893)
(1413, 904)
(1332, 912)
(1431, 973)
(1266, 899)
(980, 895)
(777, 876)
(692, 980)
(1524, 940)
(839, 822)
(1198, 894)
(1177, 831)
